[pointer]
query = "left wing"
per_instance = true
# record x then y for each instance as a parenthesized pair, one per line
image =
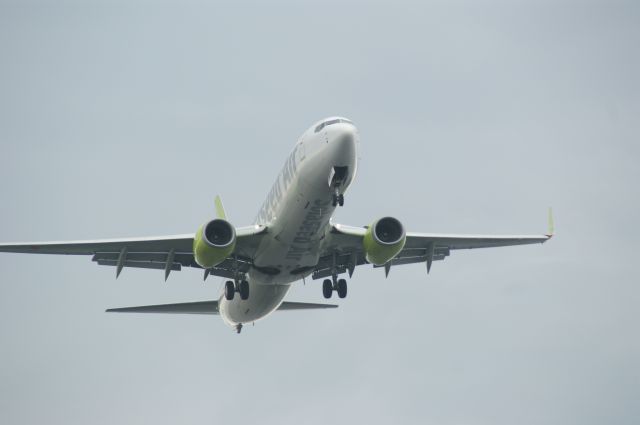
(158, 252)
(343, 249)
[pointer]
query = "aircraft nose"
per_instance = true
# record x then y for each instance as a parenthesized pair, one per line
(346, 139)
(343, 144)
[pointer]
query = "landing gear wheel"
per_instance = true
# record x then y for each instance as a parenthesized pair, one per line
(243, 288)
(342, 288)
(229, 290)
(338, 199)
(327, 288)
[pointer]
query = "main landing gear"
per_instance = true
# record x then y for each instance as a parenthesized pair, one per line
(338, 285)
(231, 287)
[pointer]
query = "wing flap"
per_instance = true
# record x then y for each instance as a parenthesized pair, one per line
(141, 265)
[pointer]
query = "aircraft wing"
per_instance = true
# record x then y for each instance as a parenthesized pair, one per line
(158, 252)
(343, 250)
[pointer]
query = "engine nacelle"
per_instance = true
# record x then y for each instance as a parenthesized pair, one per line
(383, 240)
(213, 243)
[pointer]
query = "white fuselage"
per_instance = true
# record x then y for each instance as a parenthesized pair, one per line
(297, 213)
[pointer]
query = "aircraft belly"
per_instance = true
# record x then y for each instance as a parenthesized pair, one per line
(292, 246)
(297, 244)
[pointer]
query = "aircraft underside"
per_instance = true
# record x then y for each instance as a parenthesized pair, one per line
(293, 238)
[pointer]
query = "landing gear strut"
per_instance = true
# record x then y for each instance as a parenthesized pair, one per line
(238, 284)
(338, 199)
(338, 285)
(231, 287)
(337, 179)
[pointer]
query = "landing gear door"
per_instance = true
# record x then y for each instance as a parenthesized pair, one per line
(337, 176)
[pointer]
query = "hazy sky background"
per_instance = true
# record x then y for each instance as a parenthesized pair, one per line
(127, 118)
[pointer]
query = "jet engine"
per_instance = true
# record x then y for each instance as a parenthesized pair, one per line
(383, 240)
(213, 243)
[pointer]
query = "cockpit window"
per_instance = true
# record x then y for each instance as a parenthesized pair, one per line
(330, 122)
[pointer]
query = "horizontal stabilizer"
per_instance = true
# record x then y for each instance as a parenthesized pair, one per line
(206, 307)
(200, 307)
(304, 306)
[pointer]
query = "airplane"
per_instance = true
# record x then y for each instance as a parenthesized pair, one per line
(293, 237)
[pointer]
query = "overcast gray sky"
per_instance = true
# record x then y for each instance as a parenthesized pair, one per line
(127, 118)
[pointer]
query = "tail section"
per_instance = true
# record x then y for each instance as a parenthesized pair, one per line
(207, 307)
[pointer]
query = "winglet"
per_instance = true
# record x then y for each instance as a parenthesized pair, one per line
(220, 209)
(551, 229)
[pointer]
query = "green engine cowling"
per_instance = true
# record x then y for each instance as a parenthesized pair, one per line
(213, 243)
(383, 240)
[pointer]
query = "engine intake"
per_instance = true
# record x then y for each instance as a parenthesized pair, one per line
(213, 243)
(383, 240)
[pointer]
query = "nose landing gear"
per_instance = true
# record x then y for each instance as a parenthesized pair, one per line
(337, 178)
(338, 199)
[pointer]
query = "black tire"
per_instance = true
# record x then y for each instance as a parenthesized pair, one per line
(327, 288)
(244, 290)
(341, 200)
(229, 290)
(342, 288)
